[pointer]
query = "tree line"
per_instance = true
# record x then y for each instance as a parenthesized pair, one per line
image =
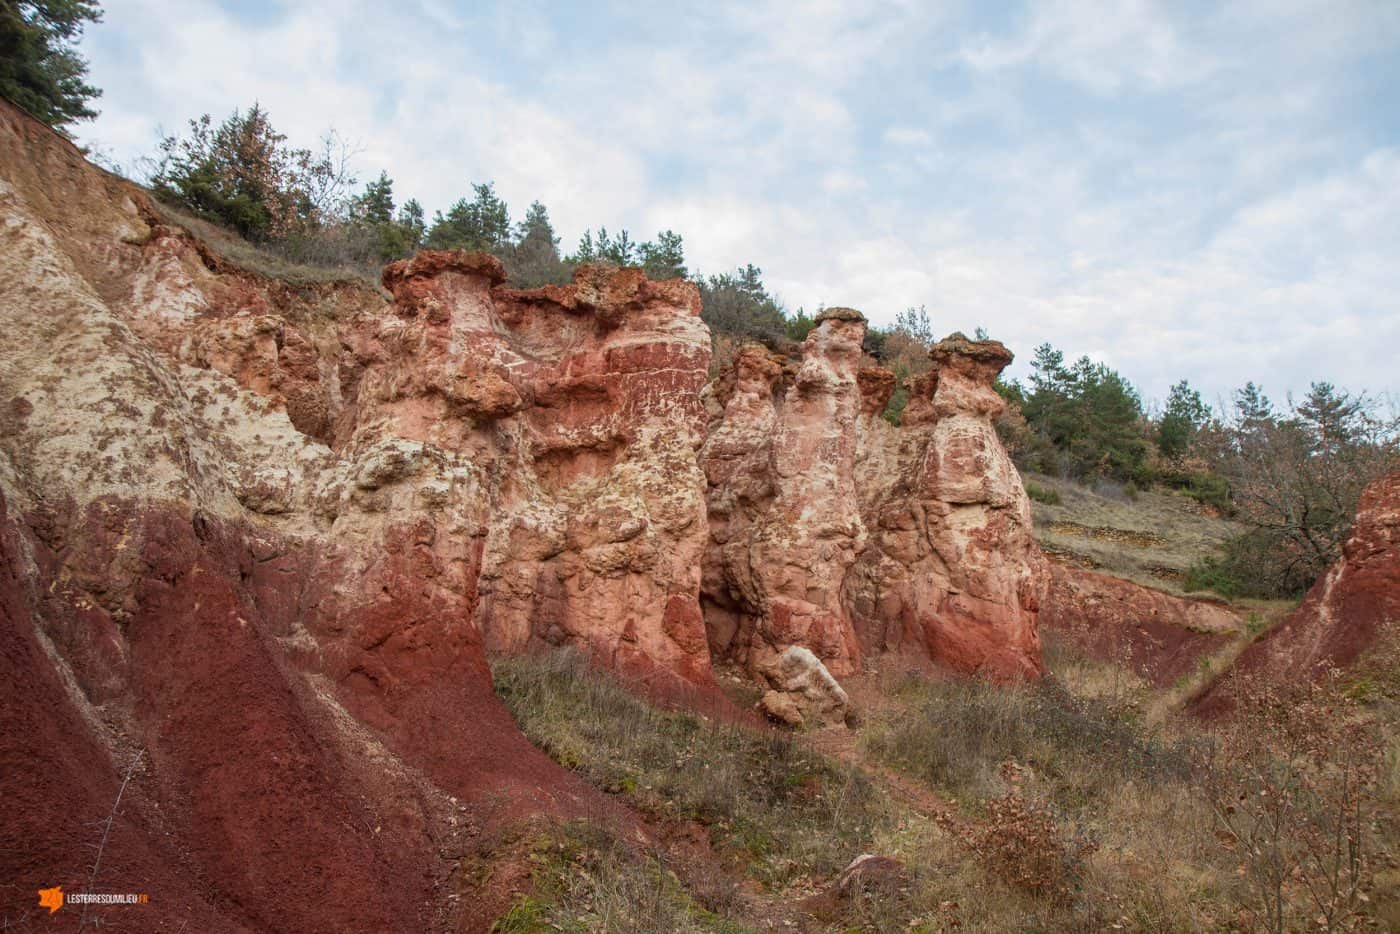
(1291, 474)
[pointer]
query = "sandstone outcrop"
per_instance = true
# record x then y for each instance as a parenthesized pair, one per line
(251, 543)
(834, 530)
(577, 410)
(785, 522)
(952, 572)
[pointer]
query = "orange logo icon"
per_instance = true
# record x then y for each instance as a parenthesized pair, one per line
(52, 899)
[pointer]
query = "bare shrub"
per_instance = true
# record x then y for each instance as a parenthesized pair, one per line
(1292, 782)
(1020, 843)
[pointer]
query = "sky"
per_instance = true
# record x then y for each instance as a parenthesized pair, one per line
(1178, 189)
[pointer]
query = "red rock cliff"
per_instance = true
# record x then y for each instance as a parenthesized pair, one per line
(833, 530)
(250, 539)
(1345, 611)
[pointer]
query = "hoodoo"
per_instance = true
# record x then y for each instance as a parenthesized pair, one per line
(834, 530)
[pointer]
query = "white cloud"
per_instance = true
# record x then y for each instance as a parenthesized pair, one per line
(1176, 207)
(908, 136)
(1100, 46)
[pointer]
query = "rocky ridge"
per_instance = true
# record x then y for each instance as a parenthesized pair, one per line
(257, 539)
(1349, 610)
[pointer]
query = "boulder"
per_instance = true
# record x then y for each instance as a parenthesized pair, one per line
(870, 873)
(802, 691)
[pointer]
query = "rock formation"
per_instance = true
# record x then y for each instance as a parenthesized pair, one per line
(577, 409)
(1345, 612)
(785, 522)
(952, 572)
(254, 537)
(257, 536)
(835, 530)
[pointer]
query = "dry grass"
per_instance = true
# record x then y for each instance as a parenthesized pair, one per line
(785, 811)
(1074, 798)
(584, 879)
(1066, 808)
(261, 261)
(1151, 539)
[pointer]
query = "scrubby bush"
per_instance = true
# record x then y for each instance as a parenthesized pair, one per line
(243, 175)
(1042, 494)
(1292, 781)
(1259, 563)
(902, 348)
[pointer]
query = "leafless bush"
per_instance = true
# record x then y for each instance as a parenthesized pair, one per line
(1020, 843)
(1292, 782)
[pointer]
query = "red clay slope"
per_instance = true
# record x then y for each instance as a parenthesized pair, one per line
(304, 693)
(1344, 613)
(1160, 636)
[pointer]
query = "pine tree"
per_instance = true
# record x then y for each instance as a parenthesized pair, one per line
(737, 303)
(534, 258)
(1184, 416)
(480, 224)
(1332, 417)
(664, 257)
(39, 68)
(410, 218)
(376, 205)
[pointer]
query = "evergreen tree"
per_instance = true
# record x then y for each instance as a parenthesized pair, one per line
(1252, 406)
(1089, 412)
(534, 259)
(737, 303)
(605, 248)
(410, 218)
(1184, 416)
(800, 325)
(1333, 418)
(664, 257)
(39, 68)
(376, 205)
(482, 223)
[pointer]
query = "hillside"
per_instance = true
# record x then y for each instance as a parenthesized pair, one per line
(438, 604)
(1151, 537)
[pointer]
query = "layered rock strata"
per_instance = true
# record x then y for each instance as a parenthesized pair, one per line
(1160, 636)
(255, 537)
(832, 529)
